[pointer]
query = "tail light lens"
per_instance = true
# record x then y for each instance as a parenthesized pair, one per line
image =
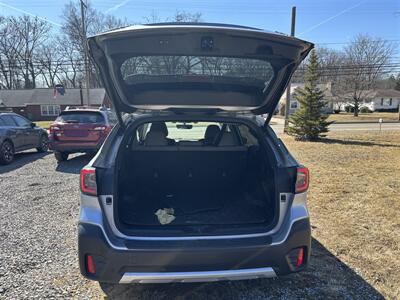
(300, 258)
(302, 180)
(88, 181)
(90, 266)
(105, 130)
(296, 258)
(52, 129)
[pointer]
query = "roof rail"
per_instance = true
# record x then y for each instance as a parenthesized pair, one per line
(81, 107)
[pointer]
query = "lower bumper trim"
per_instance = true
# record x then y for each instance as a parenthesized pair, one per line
(203, 276)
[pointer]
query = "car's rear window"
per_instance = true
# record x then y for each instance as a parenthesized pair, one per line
(139, 69)
(188, 131)
(80, 117)
(8, 120)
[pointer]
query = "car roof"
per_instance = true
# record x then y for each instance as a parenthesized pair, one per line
(187, 24)
(8, 113)
(97, 110)
(81, 110)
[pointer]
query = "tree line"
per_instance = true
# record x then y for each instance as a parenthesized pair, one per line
(366, 63)
(33, 54)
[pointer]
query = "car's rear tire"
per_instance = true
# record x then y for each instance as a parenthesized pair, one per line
(61, 156)
(6, 153)
(43, 144)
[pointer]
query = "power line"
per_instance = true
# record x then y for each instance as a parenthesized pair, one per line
(350, 42)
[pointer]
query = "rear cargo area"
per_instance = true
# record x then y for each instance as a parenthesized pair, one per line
(195, 188)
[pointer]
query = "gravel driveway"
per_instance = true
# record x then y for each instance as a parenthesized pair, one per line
(38, 252)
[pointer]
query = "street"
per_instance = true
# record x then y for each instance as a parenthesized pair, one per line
(278, 128)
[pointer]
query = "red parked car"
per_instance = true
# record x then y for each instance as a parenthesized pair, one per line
(80, 130)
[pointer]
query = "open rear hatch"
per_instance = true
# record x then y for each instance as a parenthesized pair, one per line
(223, 188)
(202, 67)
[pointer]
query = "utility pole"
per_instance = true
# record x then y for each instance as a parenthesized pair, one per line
(287, 104)
(84, 38)
(80, 92)
(398, 109)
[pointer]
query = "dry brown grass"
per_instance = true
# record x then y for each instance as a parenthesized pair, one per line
(354, 202)
(44, 124)
(368, 117)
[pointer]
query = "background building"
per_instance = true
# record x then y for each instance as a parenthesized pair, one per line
(45, 104)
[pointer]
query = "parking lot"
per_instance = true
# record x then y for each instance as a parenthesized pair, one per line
(38, 249)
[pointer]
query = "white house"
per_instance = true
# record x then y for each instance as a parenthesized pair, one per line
(294, 104)
(377, 100)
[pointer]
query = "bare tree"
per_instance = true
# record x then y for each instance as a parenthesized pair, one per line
(331, 65)
(179, 16)
(10, 47)
(366, 61)
(96, 22)
(184, 16)
(71, 71)
(50, 62)
(33, 32)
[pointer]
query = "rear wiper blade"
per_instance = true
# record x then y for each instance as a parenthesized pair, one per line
(72, 121)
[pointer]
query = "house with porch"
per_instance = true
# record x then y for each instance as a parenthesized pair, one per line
(44, 104)
(375, 100)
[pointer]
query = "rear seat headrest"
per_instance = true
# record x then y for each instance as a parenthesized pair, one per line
(228, 139)
(155, 138)
(159, 127)
(211, 133)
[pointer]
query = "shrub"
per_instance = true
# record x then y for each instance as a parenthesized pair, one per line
(365, 110)
(349, 108)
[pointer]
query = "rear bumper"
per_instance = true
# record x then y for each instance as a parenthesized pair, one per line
(75, 146)
(190, 260)
(205, 276)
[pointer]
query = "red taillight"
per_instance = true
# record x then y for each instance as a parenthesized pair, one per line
(88, 181)
(53, 129)
(302, 180)
(300, 257)
(90, 267)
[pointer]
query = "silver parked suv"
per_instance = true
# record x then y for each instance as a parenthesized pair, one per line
(191, 184)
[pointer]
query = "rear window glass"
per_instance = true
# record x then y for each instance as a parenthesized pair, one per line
(186, 131)
(20, 121)
(112, 117)
(247, 136)
(142, 68)
(8, 121)
(180, 131)
(80, 117)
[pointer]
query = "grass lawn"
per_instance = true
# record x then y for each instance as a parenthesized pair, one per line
(44, 124)
(371, 117)
(354, 203)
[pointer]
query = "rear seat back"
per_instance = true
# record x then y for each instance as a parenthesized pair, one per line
(173, 168)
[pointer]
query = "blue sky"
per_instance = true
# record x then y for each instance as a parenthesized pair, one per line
(320, 21)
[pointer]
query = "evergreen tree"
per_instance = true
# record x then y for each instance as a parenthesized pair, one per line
(308, 123)
(397, 86)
